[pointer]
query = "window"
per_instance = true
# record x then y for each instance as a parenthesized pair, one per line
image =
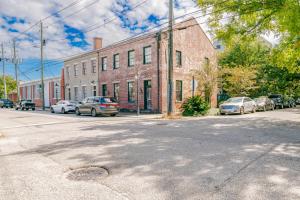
(104, 63)
(130, 92)
(94, 65)
(68, 72)
(69, 93)
(131, 58)
(76, 93)
(84, 68)
(116, 90)
(75, 70)
(104, 90)
(94, 90)
(116, 61)
(147, 55)
(178, 58)
(178, 90)
(84, 92)
(57, 91)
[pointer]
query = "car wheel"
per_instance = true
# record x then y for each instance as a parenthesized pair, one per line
(51, 110)
(242, 111)
(77, 111)
(17, 108)
(22, 108)
(63, 111)
(113, 115)
(94, 112)
(27, 108)
(33, 109)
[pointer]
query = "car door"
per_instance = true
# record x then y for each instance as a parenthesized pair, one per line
(89, 104)
(248, 104)
(55, 106)
(83, 106)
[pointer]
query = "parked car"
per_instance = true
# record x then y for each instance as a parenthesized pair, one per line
(297, 101)
(289, 102)
(264, 103)
(63, 106)
(97, 106)
(238, 105)
(25, 105)
(6, 103)
(278, 100)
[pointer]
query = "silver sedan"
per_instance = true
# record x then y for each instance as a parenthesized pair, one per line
(238, 105)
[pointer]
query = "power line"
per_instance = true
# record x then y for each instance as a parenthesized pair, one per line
(59, 60)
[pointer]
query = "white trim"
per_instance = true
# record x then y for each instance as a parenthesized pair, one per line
(95, 58)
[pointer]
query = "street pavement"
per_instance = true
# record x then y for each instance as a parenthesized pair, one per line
(249, 157)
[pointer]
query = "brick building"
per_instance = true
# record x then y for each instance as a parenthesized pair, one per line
(32, 90)
(138, 68)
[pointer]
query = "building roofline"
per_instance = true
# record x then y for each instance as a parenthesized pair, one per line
(39, 80)
(144, 36)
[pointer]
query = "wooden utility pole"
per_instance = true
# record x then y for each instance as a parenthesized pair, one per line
(170, 60)
(42, 66)
(15, 61)
(3, 65)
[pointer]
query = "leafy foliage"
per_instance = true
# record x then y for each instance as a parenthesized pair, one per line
(207, 78)
(253, 18)
(195, 106)
(239, 81)
(11, 85)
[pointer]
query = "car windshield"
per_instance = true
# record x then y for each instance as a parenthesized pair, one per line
(235, 100)
(259, 99)
(108, 100)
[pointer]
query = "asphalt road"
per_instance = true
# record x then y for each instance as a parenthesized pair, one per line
(249, 157)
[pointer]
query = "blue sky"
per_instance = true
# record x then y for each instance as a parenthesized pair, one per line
(69, 32)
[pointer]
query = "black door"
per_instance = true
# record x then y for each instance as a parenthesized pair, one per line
(147, 95)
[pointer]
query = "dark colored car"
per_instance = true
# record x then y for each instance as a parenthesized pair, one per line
(289, 102)
(7, 103)
(25, 105)
(278, 100)
(264, 103)
(97, 106)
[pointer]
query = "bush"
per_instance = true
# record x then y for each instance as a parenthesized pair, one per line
(194, 106)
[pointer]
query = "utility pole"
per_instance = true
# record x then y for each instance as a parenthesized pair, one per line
(3, 64)
(170, 63)
(42, 67)
(15, 61)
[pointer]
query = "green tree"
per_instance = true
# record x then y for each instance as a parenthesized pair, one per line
(11, 85)
(239, 81)
(207, 78)
(233, 18)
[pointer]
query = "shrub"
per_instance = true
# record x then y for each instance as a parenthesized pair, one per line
(194, 106)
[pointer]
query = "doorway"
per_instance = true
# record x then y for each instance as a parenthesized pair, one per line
(147, 95)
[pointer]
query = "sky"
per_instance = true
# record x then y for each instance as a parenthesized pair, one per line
(72, 25)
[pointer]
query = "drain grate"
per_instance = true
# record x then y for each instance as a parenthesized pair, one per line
(88, 173)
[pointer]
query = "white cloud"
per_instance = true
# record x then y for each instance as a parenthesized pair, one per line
(96, 14)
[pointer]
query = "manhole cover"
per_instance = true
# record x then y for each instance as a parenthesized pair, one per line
(89, 173)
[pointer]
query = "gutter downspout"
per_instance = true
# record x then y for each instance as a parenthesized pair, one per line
(158, 39)
(98, 75)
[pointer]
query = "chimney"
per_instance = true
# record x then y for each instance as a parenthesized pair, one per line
(97, 43)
